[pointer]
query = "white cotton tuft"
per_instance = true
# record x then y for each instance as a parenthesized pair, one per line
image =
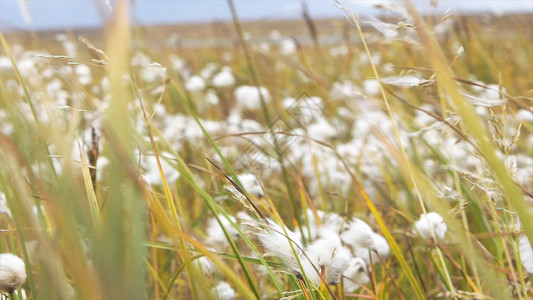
(322, 130)
(83, 72)
(250, 96)
(355, 275)
(327, 253)
(215, 235)
(224, 291)
(243, 216)
(149, 164)
(5, 64)
(431, 222)
(371, 87)
(365, 243)
(177, 63)
(195, 84)
(358, 234)
(206, 265)
(280, 243)
(224, 79)
(251, 184)
(379, 247)
(333, 222)
(153, 72)
(524, 115)
(208, 71)
(211, 98)
(287, 46)
(12, 272)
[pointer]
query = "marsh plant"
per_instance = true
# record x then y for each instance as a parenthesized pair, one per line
(385, 158)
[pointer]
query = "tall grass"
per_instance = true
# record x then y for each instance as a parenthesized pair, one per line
(94, 231)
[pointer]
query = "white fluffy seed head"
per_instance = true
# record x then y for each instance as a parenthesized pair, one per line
(365, 243)
(250, 96)
(379, 247)
(206, 265)
(279, 242)
(195, 84)
(358, 234)
(251, 184)
(287, 46)
(224, 291)
(322, 130)
(149, 164)
(224, 79)
(431, 222)
(215, 235)
(12, 272)
(355, 275)
(327, 253)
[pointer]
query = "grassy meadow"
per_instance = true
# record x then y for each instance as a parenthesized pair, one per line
(364, 158)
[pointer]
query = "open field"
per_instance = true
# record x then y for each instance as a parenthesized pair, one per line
(314, 159)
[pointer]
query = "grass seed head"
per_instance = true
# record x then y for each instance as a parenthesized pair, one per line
(12, 272)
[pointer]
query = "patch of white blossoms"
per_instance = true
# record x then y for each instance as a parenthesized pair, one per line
(431, 222)
(327, 252)
(250, 96)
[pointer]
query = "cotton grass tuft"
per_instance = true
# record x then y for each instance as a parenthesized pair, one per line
(12, 272)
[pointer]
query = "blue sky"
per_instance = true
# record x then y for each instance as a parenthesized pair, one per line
(62, 14)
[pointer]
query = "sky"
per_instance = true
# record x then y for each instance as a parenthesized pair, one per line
(69, 14)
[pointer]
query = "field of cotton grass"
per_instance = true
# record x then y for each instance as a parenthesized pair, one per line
(391, 162)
